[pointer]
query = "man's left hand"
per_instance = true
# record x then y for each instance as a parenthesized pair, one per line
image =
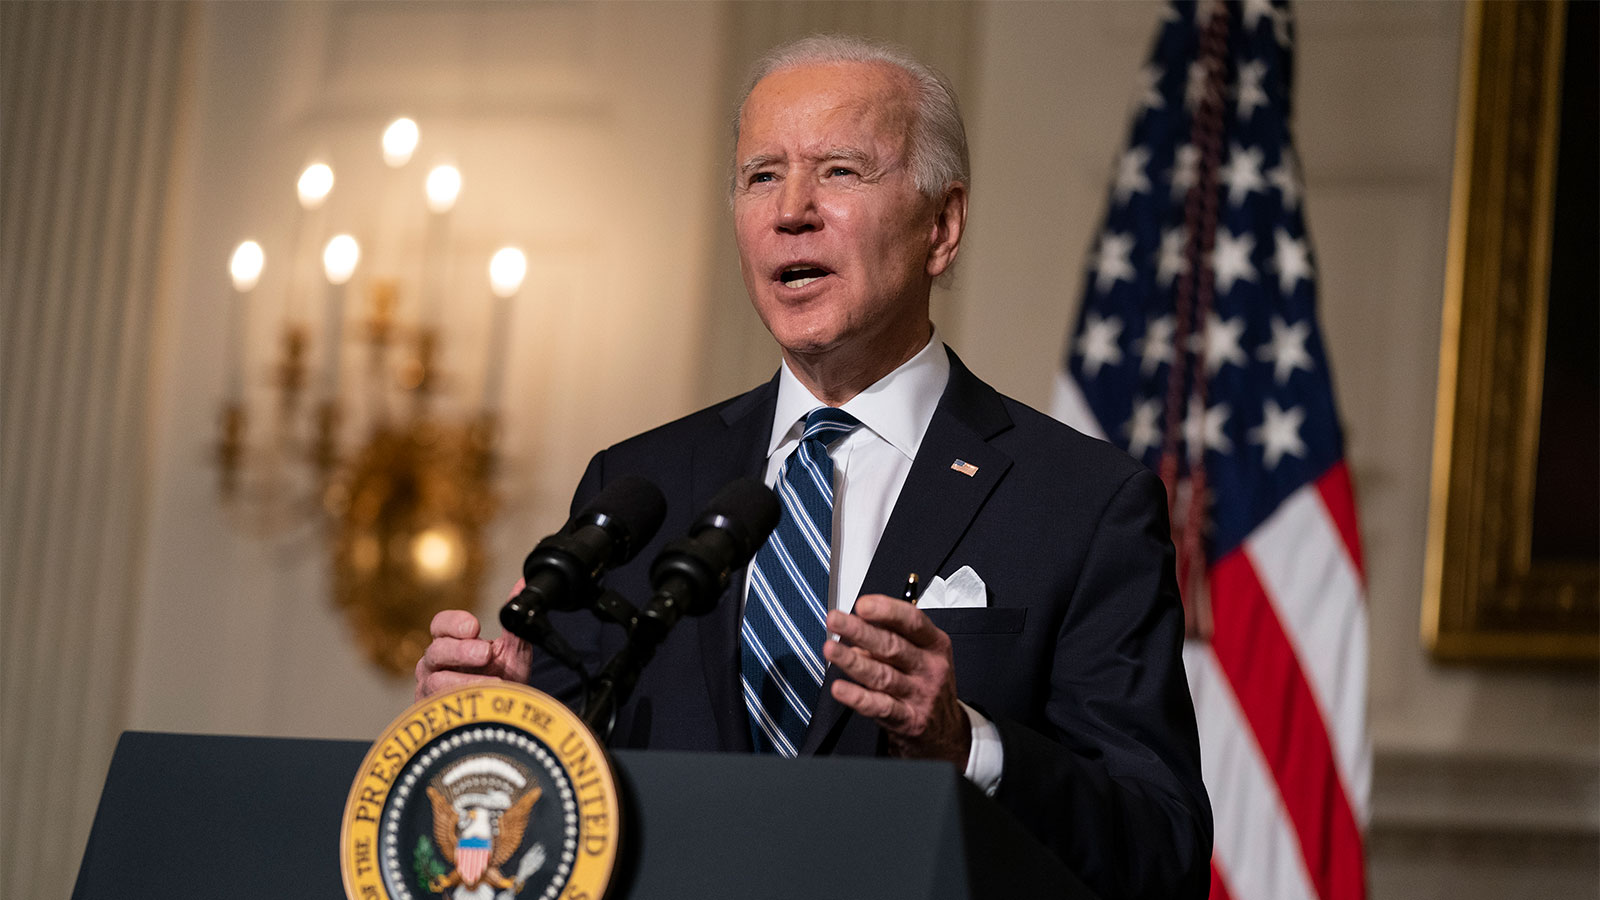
(902, 676)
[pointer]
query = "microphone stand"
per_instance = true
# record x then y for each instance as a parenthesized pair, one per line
(615, 683)
(522, 617)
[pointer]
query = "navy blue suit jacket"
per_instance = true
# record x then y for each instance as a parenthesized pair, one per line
(1076, 659)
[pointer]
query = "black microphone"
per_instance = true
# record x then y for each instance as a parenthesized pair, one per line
(691, 572)
(562, 571)
(688, 575)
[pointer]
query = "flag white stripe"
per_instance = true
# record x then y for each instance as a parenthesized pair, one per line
(1299, 556)
(1255, 842)
(1298, 553)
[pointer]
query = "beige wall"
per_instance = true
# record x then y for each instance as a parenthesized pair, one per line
(562, 141)
(574, 145)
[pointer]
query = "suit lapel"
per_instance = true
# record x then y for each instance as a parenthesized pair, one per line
(739, 450)
(935, 508)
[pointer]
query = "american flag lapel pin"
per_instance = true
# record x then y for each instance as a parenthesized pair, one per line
(964, 467)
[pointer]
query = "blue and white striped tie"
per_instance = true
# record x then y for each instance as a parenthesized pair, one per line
(781, 638)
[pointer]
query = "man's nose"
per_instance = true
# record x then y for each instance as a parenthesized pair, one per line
(797, 207)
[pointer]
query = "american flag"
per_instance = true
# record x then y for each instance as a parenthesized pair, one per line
(1197, 350)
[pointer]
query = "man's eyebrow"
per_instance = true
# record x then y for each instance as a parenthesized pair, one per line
(847, 154)
(758, 161)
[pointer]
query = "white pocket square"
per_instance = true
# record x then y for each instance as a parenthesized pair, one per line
(962, 590)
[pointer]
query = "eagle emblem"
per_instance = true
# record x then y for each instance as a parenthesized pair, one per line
(481, 806)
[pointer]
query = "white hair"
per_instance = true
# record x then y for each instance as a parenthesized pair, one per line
(938, 153)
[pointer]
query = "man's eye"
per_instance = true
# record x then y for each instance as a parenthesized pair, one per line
(762, 177)
(840, 171)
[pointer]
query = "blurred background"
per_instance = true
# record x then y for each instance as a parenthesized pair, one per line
(161, 571)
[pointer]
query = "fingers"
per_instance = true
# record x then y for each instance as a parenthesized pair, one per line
(458, 656)
(900, 617)
(454, 623)
(511, 658)
(868, 670)
(899, 671)
(891, 630)
(455, 654)
(440, 682)
(875, 689)
(891, 713)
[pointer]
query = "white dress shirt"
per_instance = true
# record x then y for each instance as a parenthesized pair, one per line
(870, 465)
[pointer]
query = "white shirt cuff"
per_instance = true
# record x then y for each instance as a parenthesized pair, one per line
(986, 759)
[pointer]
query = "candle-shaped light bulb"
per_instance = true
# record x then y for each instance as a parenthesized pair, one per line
(506, 271)
(245, 266)
(340, 257)
(399, 140)
(444, 185)
(507, 268)
(315, 183)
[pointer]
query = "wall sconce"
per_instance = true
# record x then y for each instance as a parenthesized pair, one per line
(402, 513)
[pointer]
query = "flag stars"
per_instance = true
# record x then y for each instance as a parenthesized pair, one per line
(1286, 178)
(1155, 347)
(1143, 428)
(1287, 349)
(1150, 88)
(1131, 178)
(1185, 170)
(1099, 343)
(1251, 94)
(1279, 433)
(1281, 19)
(1292, 260)
(1203, 428)
(1220, 342)
(1255, 11)
(1230, 259)
(1242, 174)
(1112, 263)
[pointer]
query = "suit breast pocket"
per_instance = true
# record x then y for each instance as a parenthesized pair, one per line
(979, 621)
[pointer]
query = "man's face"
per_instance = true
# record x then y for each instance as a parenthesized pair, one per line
(834, 238)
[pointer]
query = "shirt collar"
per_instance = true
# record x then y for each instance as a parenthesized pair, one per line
(897, 407)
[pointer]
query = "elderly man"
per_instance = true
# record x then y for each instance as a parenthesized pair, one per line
(1048, 667)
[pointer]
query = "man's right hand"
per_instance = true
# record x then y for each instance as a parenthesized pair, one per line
(458, 656)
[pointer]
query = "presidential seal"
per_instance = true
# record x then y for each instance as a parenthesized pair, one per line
(488, 792)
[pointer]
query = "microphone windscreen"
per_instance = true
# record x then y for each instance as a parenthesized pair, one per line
(747, 510)
(631, 505)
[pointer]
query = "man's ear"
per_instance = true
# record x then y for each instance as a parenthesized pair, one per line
(949, 222)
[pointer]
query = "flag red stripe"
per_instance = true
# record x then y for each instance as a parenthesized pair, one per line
(1339, 497)
(1259, 661)
(1219, 887)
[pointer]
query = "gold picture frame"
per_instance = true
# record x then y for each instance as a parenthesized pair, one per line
(1487, 595)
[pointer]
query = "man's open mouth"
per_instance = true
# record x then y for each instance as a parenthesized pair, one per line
(798, 276)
